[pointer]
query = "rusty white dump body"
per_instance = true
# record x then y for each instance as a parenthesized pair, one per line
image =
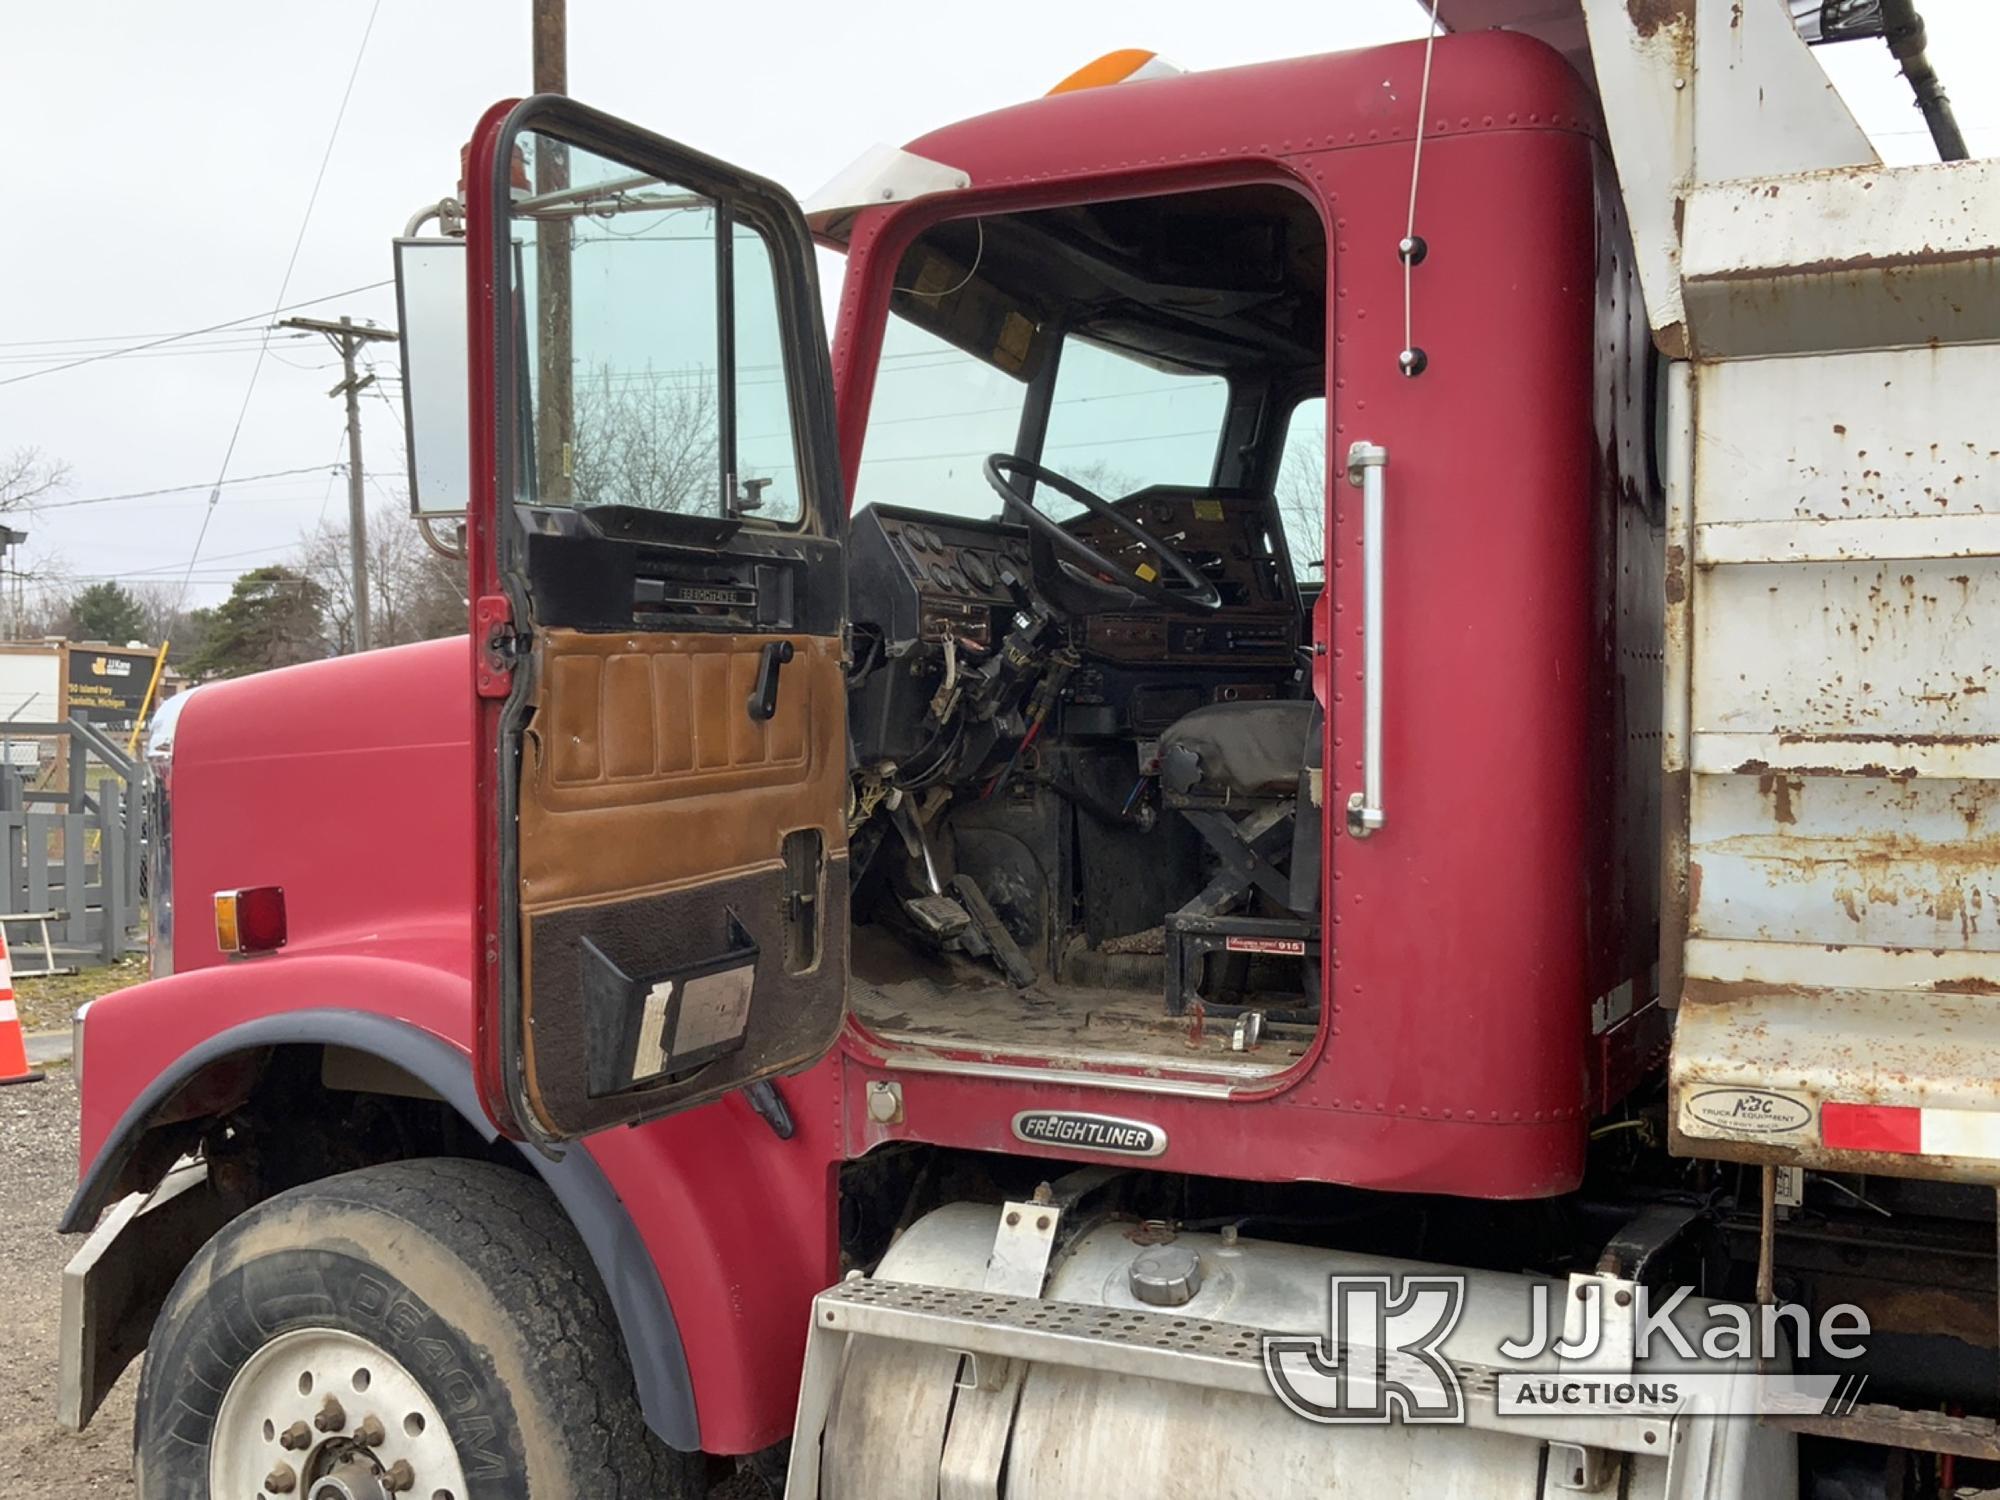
(1832, 714)
(1835, 712)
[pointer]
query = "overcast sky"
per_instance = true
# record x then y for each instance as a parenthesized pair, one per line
(160, 158)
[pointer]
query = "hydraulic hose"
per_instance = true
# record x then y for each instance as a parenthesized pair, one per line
(1903, 29)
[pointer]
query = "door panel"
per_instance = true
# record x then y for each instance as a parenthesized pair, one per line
(667, 912)
(661, 918)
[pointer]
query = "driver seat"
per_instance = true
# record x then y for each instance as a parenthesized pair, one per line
(1241, 750)
(1241, 773)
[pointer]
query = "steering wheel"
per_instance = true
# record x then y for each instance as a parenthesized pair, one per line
(1074, 575)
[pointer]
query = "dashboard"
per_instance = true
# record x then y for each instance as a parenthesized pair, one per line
(919, 576)
(1229, 537)
(939, 599)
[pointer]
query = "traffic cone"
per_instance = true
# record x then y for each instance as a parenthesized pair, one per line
(13, 1044)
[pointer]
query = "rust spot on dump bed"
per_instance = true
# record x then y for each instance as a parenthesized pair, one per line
(1969, 984)
(1650, 17)
(1677, 579)
(1853, 738)
(1736, 991)
(1781, 789)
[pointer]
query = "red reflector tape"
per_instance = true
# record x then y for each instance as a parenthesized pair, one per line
(1907, 1130)
(1872, 1127)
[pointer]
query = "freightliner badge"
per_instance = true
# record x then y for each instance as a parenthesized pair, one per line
(1061, 1127)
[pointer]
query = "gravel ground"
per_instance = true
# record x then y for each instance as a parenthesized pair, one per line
(38, 1461)
(37, 1174)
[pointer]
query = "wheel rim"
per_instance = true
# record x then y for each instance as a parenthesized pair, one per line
(320, 1414)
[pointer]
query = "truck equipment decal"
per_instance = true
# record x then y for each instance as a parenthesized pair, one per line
(1736, 1111)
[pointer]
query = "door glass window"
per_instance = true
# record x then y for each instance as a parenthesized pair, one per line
(632, 397)
(1302, 489)
(767, 462)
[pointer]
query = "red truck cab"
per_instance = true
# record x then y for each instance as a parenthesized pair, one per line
(951, 750)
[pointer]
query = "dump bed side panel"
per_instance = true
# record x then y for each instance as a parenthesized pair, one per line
(1840, 659)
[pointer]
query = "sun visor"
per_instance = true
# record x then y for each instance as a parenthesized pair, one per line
(881, 174)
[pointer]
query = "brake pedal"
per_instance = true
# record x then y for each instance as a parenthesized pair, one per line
(938, 917)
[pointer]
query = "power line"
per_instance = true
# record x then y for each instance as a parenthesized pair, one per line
(174, 338)
(339, 442)
(284, 286)
(231, 344)
(82, 341)
(181, 489)
(219, 557)
(1144, 437)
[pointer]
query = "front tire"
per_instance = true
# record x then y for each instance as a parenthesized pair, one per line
(427, 1329)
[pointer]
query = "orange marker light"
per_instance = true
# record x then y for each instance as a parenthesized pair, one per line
(251, 920)
(1127, 65)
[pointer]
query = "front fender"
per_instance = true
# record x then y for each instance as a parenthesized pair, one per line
(160, 1052)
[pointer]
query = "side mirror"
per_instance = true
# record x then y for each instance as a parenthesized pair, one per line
(430, 311)
(1837, 20)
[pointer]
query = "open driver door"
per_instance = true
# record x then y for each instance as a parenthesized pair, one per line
(658, 602)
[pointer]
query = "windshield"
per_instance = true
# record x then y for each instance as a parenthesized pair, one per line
(1115, 425)
(936, 414)
(1118, 425)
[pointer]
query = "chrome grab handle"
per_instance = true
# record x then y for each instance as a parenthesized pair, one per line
(1365, 463)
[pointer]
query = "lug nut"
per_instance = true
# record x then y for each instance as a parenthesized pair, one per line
(400, 1477)
(369, 1433)
(297, 1437)
(281, 1480)
(331, 1418)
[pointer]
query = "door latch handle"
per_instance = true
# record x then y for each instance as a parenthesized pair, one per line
(764, 696)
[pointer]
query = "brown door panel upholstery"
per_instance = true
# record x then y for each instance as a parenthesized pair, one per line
(653, 817)
(643, 769)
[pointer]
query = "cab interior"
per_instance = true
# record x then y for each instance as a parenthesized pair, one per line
(1084, 546)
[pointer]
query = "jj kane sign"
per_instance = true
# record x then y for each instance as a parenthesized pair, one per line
(109, 684)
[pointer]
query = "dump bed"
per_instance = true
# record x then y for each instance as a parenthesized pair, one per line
(1833, 756)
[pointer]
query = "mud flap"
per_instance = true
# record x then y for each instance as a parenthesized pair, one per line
(112, 1288)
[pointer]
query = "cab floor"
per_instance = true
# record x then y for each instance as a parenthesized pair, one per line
(921, 1000)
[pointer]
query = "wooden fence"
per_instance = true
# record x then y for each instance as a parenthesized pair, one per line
(75, 849)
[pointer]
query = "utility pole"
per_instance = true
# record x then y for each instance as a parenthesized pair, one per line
(555, 413)
(10, 596)
(551, 47)
(348, 337)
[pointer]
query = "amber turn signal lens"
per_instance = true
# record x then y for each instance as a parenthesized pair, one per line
(251, 920)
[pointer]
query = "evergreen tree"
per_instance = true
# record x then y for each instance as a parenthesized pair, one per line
(273, 617)
(106, 612)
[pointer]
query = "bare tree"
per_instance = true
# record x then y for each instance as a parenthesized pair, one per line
(42, 609)
(647, 439)
(159, 606)
(1302, 507)
(27, 475)
(414, 594)
(1102, 477)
